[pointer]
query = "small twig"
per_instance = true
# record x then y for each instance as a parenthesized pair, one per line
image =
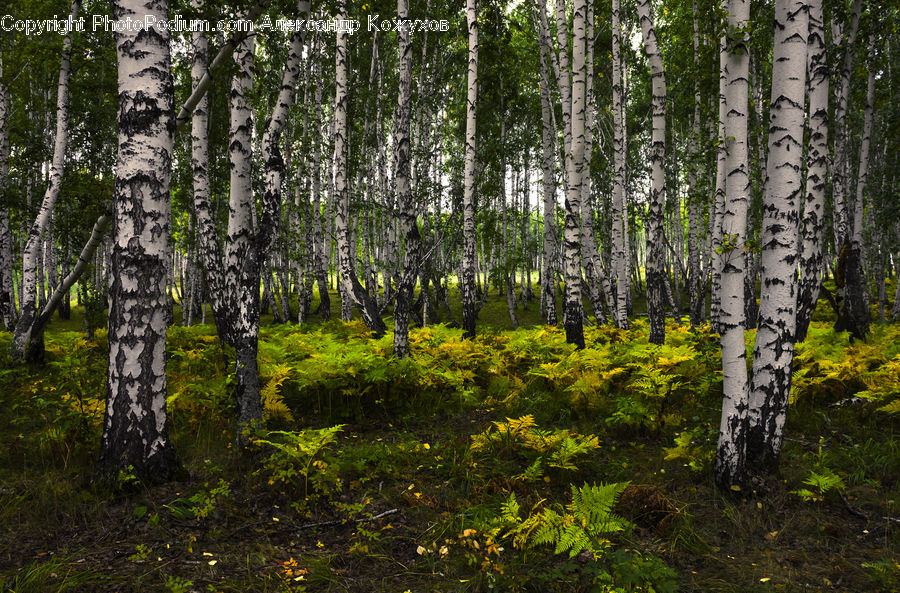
(854, 512)
(340, 522)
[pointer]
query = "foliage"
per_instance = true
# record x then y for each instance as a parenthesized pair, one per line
(584, 524)
(554, 448)
(296, 460)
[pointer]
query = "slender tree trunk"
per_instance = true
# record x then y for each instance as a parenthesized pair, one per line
(408, 225)
(321, 252)
(548, 134)
(207, 240)
(31, 254)
(774, 351)
(574, 172)
(855, 316)
(656, 278)
(352, 291)
(813, 227)
(730, 462)
(593, 270)
(468, 261)
(619, 208)
(7, 307)
(35, 350)
(840, 168)
(695, 288)
(240, 264)
(136, 428)
(717, 220)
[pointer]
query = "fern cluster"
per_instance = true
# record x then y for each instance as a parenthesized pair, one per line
(583, 524)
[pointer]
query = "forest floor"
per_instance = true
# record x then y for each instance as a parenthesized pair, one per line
(463, 469)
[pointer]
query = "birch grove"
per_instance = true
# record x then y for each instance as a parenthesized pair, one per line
(630, 164)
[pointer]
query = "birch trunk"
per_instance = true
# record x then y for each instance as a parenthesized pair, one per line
(695, 288)
(813, 223)
(840, 168)
(730, 462)
(855, 316)
(718, 215)
(352, 291)
(469, 313)
(29, 284)
(573, 317)
(320, 252)
(136, 429)
(407, 207)
(207, 241)
(243, 300)
(548, 134)
(774, 350)
(7, 308)
(619, 209)
(593, 269)
(656, 279)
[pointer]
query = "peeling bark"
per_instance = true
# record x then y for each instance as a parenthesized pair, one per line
(656, 279)
(774, 350)
(136, 429)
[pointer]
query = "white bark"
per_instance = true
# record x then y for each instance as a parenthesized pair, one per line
(730, 456)
(840, 168)
(574, 172)
(7, 304)
(548, 135)
(813, 223)
(32, 251)
(619, 210)
(774, 350)
(468, 262)
(656, 278)
(135, 430)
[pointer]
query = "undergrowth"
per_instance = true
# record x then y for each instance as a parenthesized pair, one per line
(509, 462)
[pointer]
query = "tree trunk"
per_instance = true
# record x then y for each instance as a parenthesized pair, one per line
(136, 429)
(35, 351)
(813, 227)
(730, 462)
(573, 317)
(656, 278)
(31, 254)
(840, 168)
(468, 264)
(7, 313)
(854, 316)
(352, 292)
(695, 288)
(774, 351)
(619, 209)
(548, 134)
(407, 206)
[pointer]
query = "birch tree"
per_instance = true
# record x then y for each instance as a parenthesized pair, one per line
(813, 223)
(730, 461)
(774, 350)
(656, 278)
(7, 304)
(32, 253)
(619, 208)
(408, 227)
(548, 149)
(136, 427)
(352, 291)
(854, 315)
(573, 317)
(469, 313)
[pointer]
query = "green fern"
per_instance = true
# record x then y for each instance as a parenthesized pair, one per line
(583, 524)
